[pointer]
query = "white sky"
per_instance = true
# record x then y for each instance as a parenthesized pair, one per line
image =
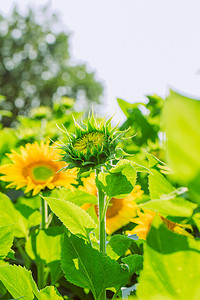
(137, 47)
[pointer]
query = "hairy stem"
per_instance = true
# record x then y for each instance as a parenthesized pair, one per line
(102, 225)
(43, 225)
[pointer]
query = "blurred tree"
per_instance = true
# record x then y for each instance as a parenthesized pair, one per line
(35, 65)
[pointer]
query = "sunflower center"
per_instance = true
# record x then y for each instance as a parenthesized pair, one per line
(42, 173)
(90, 141)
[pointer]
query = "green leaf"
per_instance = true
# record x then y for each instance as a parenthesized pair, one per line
(182, 123)
(32, 216)
(158, 185)
(118, 245)
(11, 254)
(176, 207)
(89, 268)
(76, 196)
(171, 266)
(55, 271)
(135, 262)
(50, 293)
(72, 216)
(10, 215)
(196, 218)
(6, 240)
(19, 282)
(153, 160)
(45, 244)
(120, 180)
(165, 198)
(126, 107)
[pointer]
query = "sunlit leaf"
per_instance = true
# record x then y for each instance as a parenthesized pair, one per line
(171, 266)
(88, 268)
(19, 282)
(6, 240)
(120, 180)
(72, 216)
(182, 123)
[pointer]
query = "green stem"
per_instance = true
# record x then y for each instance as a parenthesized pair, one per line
(25, 257)
(44, 214)
(102, 221)
(43, 225)
(40, 275)
(102, 225)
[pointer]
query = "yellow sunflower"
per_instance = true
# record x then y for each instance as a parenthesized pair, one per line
(144, 220)
(120, 211)
(36, 168)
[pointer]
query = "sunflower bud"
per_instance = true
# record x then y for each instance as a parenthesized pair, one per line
(92, 145)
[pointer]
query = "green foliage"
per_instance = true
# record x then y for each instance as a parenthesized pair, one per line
(120, 180)
(174, 206)
(10, 215)
(89, 268)
(76, 196)
(19, 282)
(181, 116)
(171, 266)
(49, 292)
(35, 63)
(45, 245)
(144, 127)
(72, 216)
(6, 240)
(135, 262)
(118, 245)
(171, 261)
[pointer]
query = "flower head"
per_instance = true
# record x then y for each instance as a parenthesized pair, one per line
(92, 145)
(36, 168)
(144, 220)
(119, 211)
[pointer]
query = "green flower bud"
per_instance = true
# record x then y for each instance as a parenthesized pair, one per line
(92, 145)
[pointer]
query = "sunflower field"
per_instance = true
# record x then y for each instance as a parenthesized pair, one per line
(93, 210)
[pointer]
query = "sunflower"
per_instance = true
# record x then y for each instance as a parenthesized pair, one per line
(36, 168)
(92, 145)
(120, 211)
(144, 220)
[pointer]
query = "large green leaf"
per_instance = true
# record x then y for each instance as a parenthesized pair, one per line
(120, 180)
(165, 199)
(158, 185)
(76, 196)
(6, 240)
(45, 245)
(176, 206)
(19, 282)
(10, 215)
(182, 123)
(88, 268)
(171, 266)
(72, 216)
